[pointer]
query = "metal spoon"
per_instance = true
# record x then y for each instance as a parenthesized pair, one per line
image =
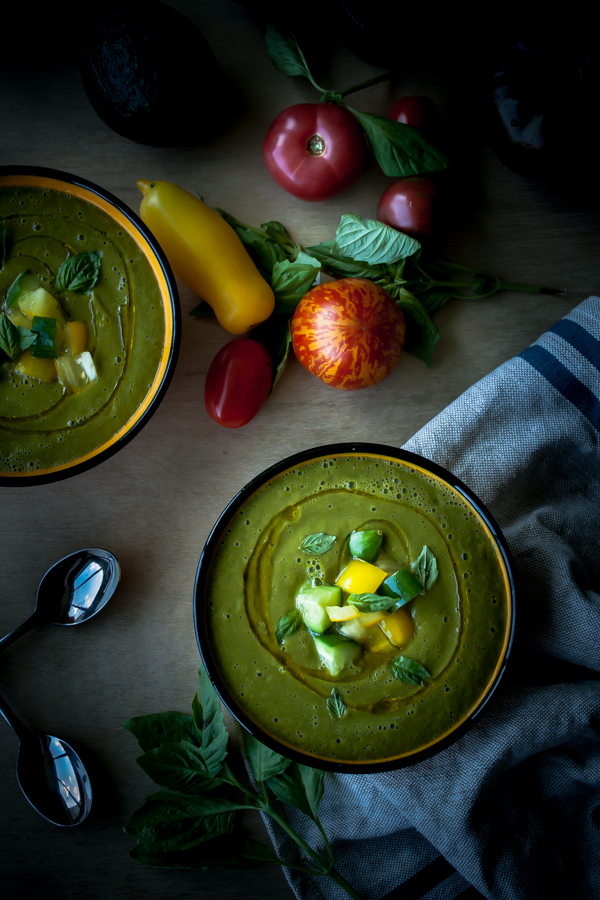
(50, 774)
(72, 591)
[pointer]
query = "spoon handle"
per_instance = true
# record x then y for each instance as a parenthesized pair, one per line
(12, 719)
(26, 626)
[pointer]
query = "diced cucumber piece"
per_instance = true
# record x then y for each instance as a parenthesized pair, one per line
(26, 283)
(313, 602)
(403, 586)
(336, 651)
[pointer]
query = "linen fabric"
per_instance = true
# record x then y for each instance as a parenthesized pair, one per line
(511, 811)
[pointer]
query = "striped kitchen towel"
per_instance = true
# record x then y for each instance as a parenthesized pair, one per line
(511, 811)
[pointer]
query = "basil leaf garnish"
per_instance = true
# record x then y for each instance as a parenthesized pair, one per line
(26, 337)
(370, 241)
(285, 54)
(288, 624)
(317, 543)
(400, 149)
(335, 705)
(409, 670)
(425, 568)
(78, 273)
(290, 281)
(10, 339)
(370, 602)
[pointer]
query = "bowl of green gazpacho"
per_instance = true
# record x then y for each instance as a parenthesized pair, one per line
(354, 607)
(89, 324)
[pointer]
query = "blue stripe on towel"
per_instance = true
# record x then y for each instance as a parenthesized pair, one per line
(428, 878)
(564, 380)
(579, 338)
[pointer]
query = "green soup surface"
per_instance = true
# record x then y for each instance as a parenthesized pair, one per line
(461, 625)
(42, 424)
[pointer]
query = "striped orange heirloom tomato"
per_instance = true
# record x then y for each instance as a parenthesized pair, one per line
(348, 332)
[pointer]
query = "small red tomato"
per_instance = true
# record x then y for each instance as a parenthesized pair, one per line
(349, 333)
(408, 205)
(420, 112)
(314, 150)
(238, 382)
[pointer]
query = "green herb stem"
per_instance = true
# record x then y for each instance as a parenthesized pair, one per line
(377, 79)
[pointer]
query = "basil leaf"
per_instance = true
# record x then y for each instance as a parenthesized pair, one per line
(299, 786)
(178, 766)
(409, 670)
(265, 763)
(174, 821)
(209, 720)
(335, 705)
(317, 543)
(78, 273)
(160, 728)
(400, 149)
(27, 337)
(288, 624)
(370, 241)
(370, 602)
(422, 333)
(275, 333)
(425, 568)
(3, 245)
(10, 339)
(285, 54)
(290, 282)
(278, 233)
(343, 266)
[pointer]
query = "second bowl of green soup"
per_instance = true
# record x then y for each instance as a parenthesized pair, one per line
(354, 607)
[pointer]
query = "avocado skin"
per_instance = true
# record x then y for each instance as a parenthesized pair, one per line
(150, 74)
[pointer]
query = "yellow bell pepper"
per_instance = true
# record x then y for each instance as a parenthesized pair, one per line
(34, 367)
(360, 577)
(206, 254)
(398, 627)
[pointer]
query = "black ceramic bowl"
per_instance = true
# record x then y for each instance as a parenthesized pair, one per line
(462, 627)
(48, 216)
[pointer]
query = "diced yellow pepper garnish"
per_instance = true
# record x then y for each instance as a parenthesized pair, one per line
(360, 577)
(32, 367)
(342, 613)
(398, 627)
(370, 619)
(75, 337)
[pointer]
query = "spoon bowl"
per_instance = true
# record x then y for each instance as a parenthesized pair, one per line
(72, 591)
(50, 774)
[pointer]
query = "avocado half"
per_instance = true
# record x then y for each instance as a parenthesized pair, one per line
(150, 74)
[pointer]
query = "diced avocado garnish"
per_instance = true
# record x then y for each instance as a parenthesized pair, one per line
(402, 585)
(313, 602)
(336, 651)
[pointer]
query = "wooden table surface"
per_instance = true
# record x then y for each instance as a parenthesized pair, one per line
(153, 503)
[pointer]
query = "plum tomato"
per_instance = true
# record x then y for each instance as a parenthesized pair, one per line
(314, 150)
(238, 382)
(408, 206)
(348, 332)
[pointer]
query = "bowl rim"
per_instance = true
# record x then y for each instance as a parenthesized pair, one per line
(249, 725)
(170, 299)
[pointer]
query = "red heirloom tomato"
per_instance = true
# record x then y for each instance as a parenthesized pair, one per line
(408, 205)
(314, 150)
(349, 333)
(238, 382)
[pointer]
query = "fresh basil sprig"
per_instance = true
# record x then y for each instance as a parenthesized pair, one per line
(195, 821)
(10, 341)
(78, 273)
(288, 624)
(399, 149)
